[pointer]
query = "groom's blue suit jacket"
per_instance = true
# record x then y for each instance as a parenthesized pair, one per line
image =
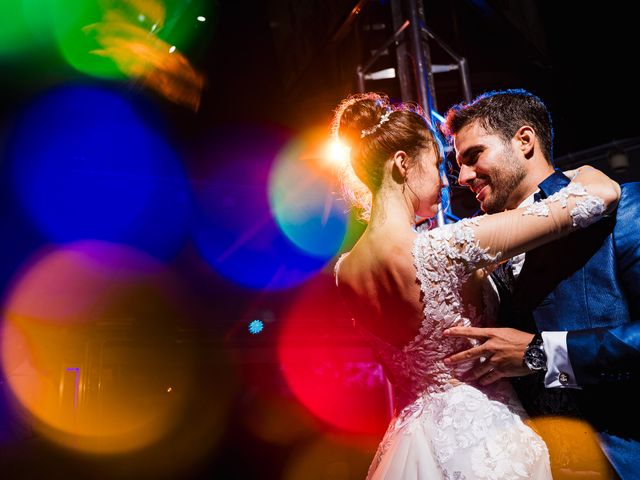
(589, 285)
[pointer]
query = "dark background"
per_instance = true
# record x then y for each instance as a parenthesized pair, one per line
(287, 63)
(298, 63)
(578, 59)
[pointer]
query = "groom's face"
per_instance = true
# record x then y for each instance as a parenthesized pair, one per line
(490, 167)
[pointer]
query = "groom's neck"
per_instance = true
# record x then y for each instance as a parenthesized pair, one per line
(529, 184)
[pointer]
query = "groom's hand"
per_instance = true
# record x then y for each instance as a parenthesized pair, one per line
(502, 351)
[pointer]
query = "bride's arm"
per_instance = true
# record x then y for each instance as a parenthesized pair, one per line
(589, 196)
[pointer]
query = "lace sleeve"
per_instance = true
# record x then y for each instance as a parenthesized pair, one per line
(587, 210)
(504, 235)
(448, 254)
(455, 250)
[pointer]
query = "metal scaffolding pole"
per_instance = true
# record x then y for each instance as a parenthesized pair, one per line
(414, 70)
(361, 70)
(421, 58)
(402, 54)
(461, 62)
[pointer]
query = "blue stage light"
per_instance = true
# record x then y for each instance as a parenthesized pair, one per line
(255, 327)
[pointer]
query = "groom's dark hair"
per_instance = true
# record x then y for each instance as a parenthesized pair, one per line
(503, 112)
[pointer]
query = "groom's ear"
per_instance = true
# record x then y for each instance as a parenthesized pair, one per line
(525, 139)
(401, 162)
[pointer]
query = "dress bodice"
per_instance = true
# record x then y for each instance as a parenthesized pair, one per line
(444, 258)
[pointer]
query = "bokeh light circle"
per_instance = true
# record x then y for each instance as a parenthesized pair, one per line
(277, 420)
(86, 164)
(71, 23)
(24, 27)
(302, 194)
(574, 447)
(328, 457)
(235, 231)
(330, 370)
(94, 365)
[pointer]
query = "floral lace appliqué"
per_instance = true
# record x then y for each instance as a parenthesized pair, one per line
(474, 433)
(587, 210)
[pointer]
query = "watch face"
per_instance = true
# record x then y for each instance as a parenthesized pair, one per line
(535, 358)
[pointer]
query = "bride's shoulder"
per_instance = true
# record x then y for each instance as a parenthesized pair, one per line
(450, 249)
(456, 231)
(391, 260)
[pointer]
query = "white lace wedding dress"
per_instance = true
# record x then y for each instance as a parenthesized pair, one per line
(445, 428)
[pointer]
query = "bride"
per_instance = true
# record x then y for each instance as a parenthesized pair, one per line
(405, 288)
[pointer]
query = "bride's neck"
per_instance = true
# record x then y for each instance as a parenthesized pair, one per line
(391, 209)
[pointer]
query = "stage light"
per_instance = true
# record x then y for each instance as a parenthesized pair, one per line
(255, 327)
(437, 116)
(336, 152)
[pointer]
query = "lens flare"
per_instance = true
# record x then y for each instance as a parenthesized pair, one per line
(302, 194)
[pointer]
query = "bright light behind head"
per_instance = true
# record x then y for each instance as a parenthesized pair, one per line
(336, 153)
(302, 199)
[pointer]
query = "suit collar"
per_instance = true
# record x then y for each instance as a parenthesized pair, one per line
(553, 183)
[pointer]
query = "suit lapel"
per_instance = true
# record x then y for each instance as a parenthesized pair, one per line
(554, 182)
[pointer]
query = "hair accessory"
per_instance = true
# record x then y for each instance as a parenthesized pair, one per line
(383, 119)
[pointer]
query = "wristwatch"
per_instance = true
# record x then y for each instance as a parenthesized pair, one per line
(534, 357)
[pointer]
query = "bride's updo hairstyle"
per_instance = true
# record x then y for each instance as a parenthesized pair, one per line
(374, 130)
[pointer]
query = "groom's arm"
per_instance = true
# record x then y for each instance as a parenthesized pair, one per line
(560, 373)
(612, 354)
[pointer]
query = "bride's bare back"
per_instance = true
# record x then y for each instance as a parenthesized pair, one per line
(379, 283)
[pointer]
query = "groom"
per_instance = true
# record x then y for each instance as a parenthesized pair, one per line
(573, 305)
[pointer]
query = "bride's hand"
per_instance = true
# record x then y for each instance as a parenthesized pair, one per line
(598, 184)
